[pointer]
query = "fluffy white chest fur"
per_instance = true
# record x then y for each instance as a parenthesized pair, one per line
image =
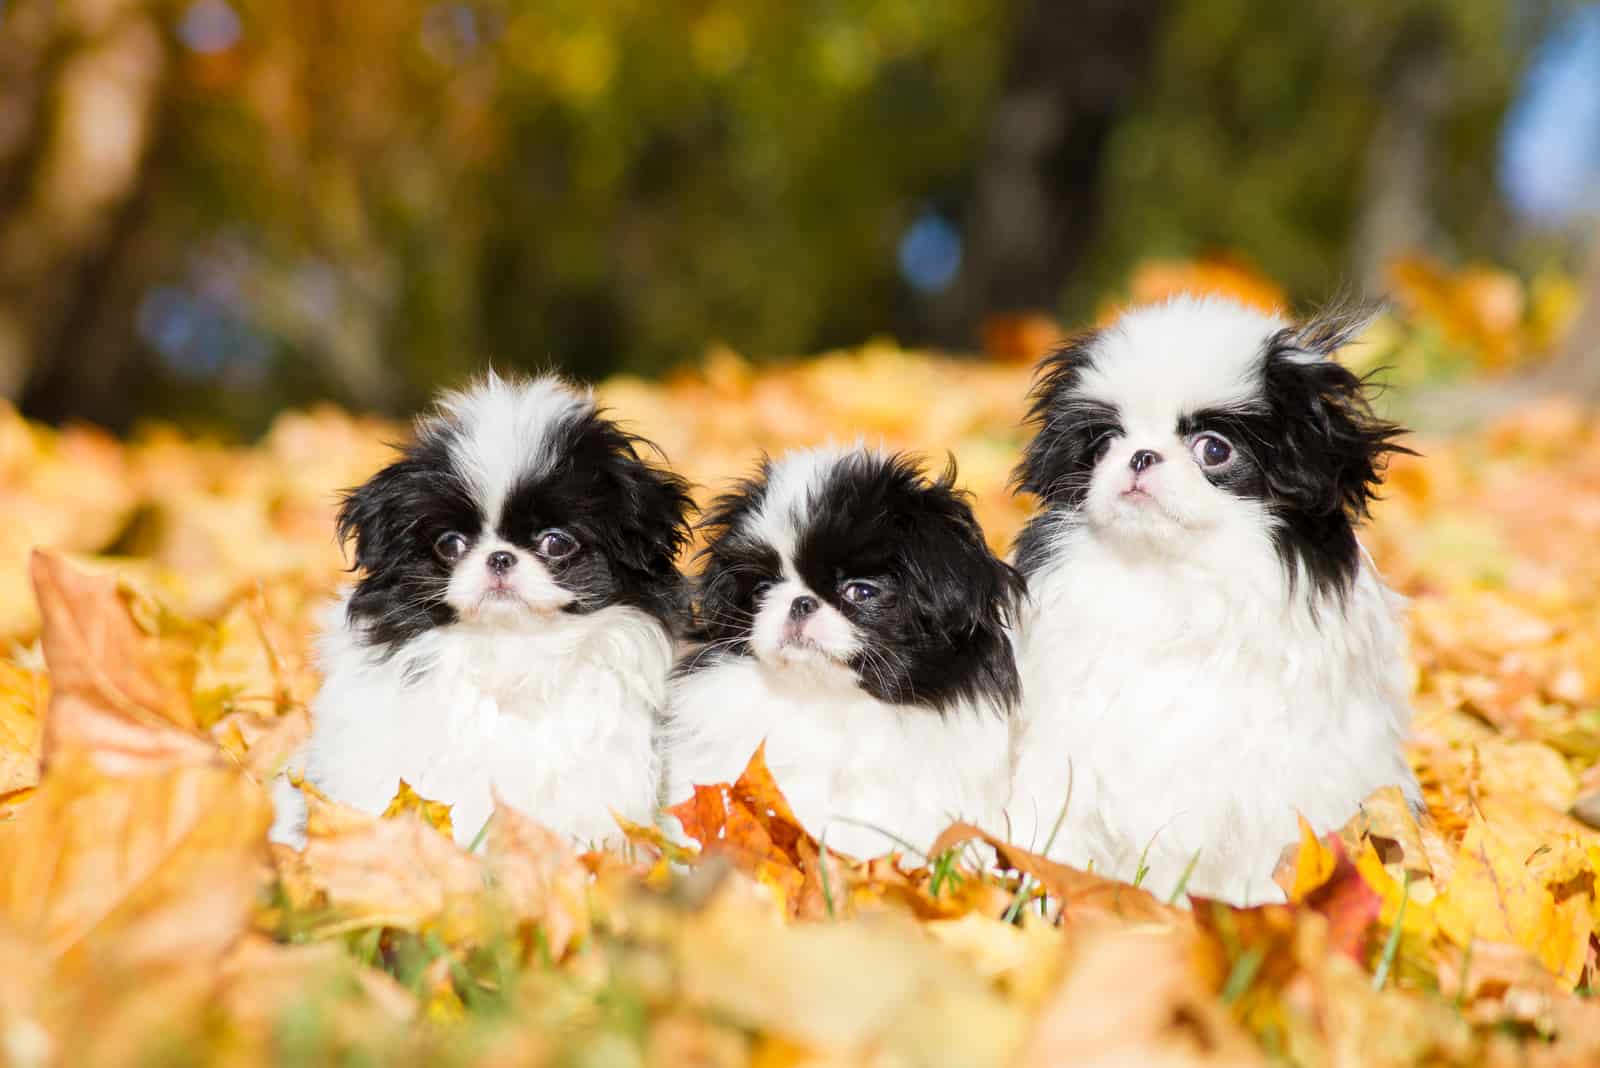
(841, 757)
(556, 717)
(1194, 708)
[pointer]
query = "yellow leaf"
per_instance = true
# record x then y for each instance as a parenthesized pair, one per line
(1493, 896)
(21, 700)
(160, 867)
(435, 814)
(1314, 863)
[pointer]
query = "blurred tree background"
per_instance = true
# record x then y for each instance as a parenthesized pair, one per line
(212, 209)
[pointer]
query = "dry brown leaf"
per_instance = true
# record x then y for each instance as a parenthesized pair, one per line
(118, 692)
(140, 871)
(387, 873)
(1130, 998)
(540, 878)
(261, 982)
(841, 989)
(1078, 894)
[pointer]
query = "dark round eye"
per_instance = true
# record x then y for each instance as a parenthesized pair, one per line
(451, 546)
(556, 545)
(1211, 450)
(858, 591)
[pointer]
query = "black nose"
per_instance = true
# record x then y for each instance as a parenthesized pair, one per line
(501, 562)
(1143, 459)
(801, 607)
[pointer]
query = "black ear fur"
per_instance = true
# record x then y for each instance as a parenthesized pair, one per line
(647, 525)
(1327, 448)
(1331, 448)
(964, 596)
(730, 566)
(400, 592)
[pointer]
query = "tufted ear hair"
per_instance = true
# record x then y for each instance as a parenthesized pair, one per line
(1330, 448)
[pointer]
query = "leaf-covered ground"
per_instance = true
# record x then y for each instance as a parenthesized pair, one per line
(158, 667)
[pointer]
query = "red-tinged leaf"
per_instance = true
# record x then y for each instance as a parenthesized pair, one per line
(1350, 905)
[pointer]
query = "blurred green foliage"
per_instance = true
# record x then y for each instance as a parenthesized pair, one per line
(1315, 137)
(360, 201)
(602, 184)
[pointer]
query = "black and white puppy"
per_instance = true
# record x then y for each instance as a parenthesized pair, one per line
(511, 629)
(1208, 649)
(852, 616)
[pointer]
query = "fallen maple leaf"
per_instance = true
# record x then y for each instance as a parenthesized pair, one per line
(842, 989)
(1310, 865)
(751, 824)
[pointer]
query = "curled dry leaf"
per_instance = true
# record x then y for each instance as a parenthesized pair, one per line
(1078, 894)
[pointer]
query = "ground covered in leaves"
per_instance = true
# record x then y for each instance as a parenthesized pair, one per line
(157, 670)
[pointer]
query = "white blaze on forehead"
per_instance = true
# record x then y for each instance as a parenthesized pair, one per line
(1167, 360)
(794, 483)
(503, 431)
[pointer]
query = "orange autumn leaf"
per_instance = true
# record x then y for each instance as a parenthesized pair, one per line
(1156, 280)
(1078, 894)
(750, 822)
